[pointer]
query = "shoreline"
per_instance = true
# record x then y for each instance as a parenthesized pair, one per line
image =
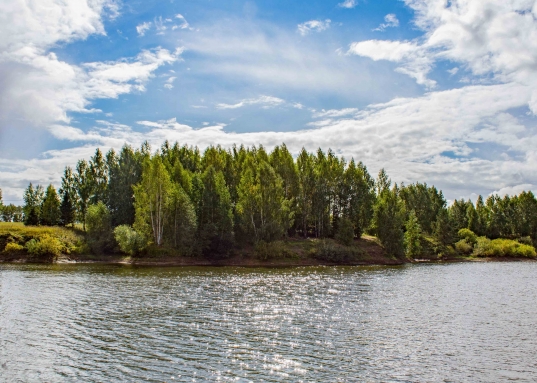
(247, 262)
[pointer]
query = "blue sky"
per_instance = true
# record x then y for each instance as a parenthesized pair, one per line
(434, 91)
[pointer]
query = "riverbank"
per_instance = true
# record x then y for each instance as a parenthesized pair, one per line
(70, 246)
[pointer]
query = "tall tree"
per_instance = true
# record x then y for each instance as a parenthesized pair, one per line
(33, 197)
(50, 208)
(306, 179)
(99, 178)
(152, 196)
(388, 221)
(412, 237)
(68, 198)
(215, 214)
(84, 188)
(124, 172)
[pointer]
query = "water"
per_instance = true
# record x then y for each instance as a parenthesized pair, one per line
(422, 323)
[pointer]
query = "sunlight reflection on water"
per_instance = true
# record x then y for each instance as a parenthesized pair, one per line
(459, 322)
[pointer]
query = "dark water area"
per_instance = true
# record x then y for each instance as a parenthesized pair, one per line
(468, 322)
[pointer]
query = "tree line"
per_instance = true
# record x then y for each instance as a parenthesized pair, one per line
(189, 202)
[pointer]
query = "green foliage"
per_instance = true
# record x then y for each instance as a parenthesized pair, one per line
(129, 241)
(468, 235)
(412, 237)
(463, 247)
(502, 248)
(388, 221)
(443, 230)
(345, 233)
(68, 198)
(33, 198)
(215, 217)
(11, 213)
(46, 248)
(99, 229)
(426, 202)
(50, 208)
(125, 171)
(13, 247)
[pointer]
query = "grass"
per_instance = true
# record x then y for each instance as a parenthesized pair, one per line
(69, 240)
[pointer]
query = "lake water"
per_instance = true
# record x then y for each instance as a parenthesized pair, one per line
(467, 322)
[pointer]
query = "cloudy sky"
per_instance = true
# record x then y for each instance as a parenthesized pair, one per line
(437, 91)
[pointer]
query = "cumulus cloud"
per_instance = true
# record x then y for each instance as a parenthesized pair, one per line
(265, 101)
(488, 37)
(313, 25)
(390, 21)
(431, 138)
(38, 88)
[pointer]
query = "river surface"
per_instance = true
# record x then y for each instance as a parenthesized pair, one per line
(467, 322)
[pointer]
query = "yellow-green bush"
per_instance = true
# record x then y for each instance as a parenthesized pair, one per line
(502, 248)
(463, 247)
(468, 235)
(13, 248)
(46, 247)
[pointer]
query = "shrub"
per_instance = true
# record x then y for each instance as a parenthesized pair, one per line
(468, 235)
(130, 242)
(47, 247)
(502, 248)
(463, 247)
(526, 241)
(345, 232)
(13, 248)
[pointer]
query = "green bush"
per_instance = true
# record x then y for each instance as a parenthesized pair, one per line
(13, 248)
(468, 235)
(345, 232)
(130, 242)
(502, 248)
(47, 247)
(98, 224)
(463, 247)
(526, 240)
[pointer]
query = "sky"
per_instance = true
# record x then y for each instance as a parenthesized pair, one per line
(435, 91)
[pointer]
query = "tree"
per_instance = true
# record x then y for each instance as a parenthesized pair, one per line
(306, 179)
(443, 230)
(345, 233)
(215, 214)
(180, 221)
(84, 189)
(33, 199)
(359, 197)
(151, 197)
(50, 208)
(100, 236)
(261, 206)
(98, 178)
(68, 198)
(9, 212)
(412, 238)
(388, 221)
(125, 171)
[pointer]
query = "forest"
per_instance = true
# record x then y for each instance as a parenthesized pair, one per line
(178, 201)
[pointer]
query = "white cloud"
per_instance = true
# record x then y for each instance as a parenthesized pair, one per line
(313, 25)
(184, 24)
(430, 138)
(39, 89)
(390, 21)
(453, 71)
(265, 101)
(142, 28)
(489, 37)
(348, 4)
